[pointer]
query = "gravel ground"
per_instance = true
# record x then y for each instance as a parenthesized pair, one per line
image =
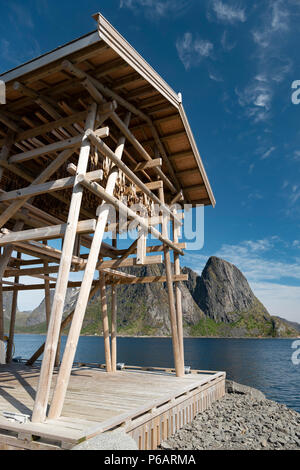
(243, 420)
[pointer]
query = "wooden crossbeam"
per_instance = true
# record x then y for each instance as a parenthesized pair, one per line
(49, 187)
(43, 129)
(8, 283)
(57, 146)
(46, 250)
(109, 282)
(145, 166)
(8, 122)
(49, 233)
(114, 272)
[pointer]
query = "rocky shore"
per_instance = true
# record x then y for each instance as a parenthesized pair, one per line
(243, 420)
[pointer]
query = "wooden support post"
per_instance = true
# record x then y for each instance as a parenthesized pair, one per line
(179, 366)
(5, 151)
(47, 293)
(141, 246)
(105, 322)
(114, 323)
(10, 343)
(1, 315)
(73, 337)
(178, 295)
(41, 401)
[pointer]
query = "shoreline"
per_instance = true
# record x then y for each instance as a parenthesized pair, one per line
(170, 337)
(244, 419)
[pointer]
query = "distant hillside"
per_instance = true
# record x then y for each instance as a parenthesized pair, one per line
(292, 324)
(220, 302)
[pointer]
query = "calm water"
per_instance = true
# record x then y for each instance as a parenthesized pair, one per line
(264, 364)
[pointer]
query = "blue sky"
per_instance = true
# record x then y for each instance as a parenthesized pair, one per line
(234, 62)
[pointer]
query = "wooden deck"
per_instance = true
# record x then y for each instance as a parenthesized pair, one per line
(150, 404)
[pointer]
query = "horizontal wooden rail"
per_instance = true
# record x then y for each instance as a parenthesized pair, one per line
(124, 281)
(57, 146)
(49, 187)
(149, 260)
(46, 233)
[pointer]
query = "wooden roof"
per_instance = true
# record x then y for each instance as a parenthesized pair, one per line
(107, 56)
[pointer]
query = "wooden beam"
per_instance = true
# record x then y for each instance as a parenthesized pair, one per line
(179, 366)
(41, 400)
(1, 316)
(114, 323)
(45, 128)
(141, 246)
(51, 232)
(14, 306)
(116, 263)
(49, 187)
(154, 185)
(178, 296)
(105, 323)
(109, 282)
(57, 146)
(145, 166)
(8, 122)
(8, 283)
(47, 294)
(52, 254)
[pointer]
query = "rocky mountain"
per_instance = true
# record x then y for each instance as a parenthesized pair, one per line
(220, 302)
(292, 324)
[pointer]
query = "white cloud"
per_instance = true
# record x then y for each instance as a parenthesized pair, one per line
(157, 8)
(268, 153)
(256, 99)
(215, 76)
(191, 51)
(226, 44)
(279, 299)
(227, 13)
(272, 63)
(276, 21)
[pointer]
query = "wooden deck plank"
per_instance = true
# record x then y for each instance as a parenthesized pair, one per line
(96, 401)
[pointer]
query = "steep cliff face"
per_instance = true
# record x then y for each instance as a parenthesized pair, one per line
(223, 293)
